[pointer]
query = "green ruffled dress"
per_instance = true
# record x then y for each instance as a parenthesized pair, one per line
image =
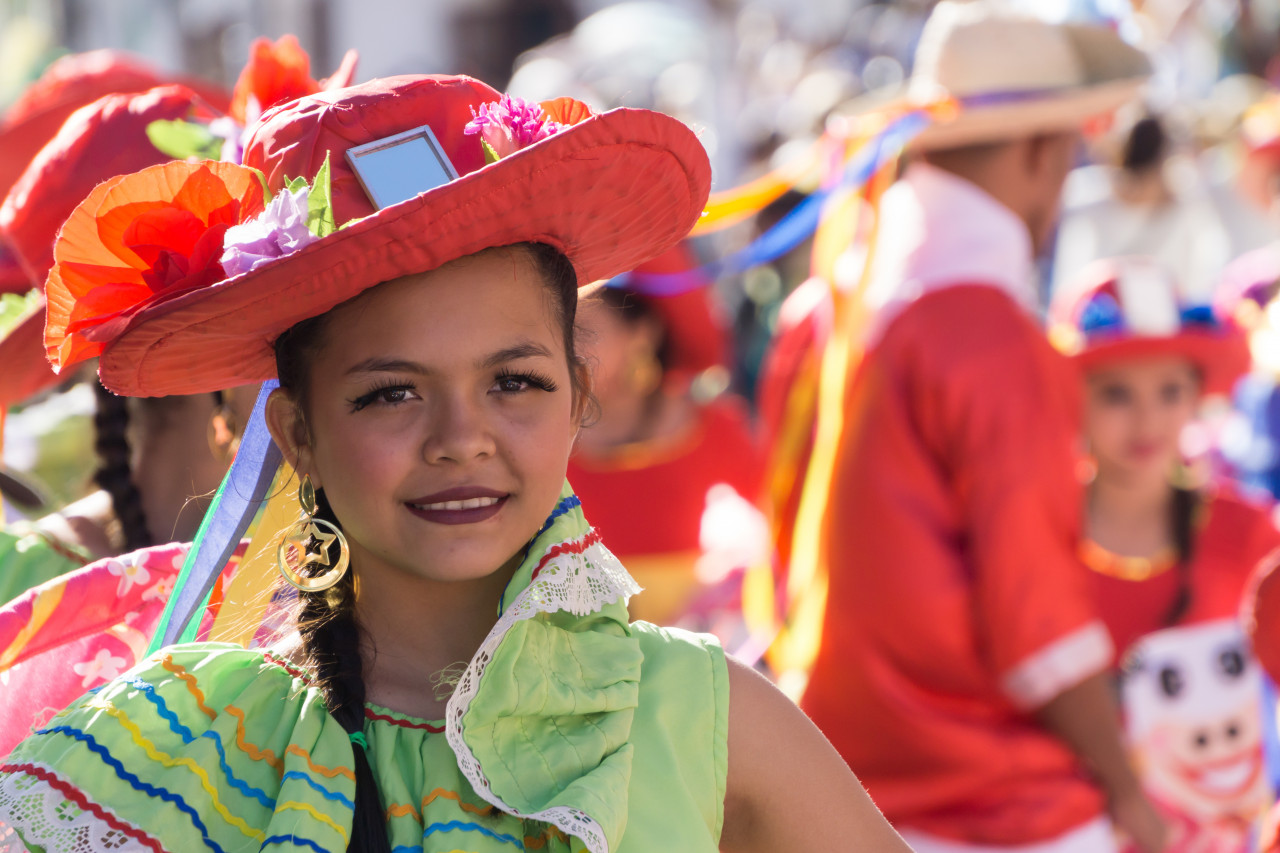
(570, 730)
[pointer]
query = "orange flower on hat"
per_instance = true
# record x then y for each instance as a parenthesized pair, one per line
(276, 73)
(139, 239)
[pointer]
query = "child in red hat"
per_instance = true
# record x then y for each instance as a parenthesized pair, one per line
(460, 670)
(1168, 562)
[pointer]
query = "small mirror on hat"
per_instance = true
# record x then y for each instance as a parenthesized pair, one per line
(397, 168)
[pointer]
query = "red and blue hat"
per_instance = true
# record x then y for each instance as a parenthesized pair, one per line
(1129, 309)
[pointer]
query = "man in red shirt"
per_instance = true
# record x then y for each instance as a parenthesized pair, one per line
(962, 668)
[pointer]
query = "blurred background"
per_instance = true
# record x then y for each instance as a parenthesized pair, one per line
(757, 79)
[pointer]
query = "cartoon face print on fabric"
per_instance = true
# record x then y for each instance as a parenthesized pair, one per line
(1192, 698)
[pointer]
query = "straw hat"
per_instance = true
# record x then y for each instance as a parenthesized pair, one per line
(1125, 309)
(1017, 76)
(609, 190)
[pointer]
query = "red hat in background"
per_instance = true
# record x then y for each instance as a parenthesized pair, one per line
(99, 141)
(679, 291)
(609, 190)
(67, 85)
(106, 138)
(1124, 309)
(13, 278)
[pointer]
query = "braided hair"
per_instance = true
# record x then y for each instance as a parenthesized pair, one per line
(326, 622)
(115, 473)
(1184, 506)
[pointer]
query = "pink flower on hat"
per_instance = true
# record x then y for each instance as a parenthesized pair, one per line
(510, 124)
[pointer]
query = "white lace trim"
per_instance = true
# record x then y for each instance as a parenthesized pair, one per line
(581, 584)
(49, 820)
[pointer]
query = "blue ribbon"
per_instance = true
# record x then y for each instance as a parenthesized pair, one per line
(794, 228)
(238, 499)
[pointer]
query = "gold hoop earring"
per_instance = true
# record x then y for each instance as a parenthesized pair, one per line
(306, 543)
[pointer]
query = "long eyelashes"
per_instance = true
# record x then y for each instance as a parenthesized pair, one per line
(390, 392)
(393, 393)
(514, 382)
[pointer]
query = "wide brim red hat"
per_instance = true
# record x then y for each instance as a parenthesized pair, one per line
(610, 192)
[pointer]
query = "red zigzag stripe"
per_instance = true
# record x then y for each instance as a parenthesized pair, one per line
(592, 537)
(76, 796)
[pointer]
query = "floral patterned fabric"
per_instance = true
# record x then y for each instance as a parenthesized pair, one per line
(79, 630)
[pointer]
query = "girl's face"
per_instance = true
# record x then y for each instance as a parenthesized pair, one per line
(440, 417)
(1135, 413)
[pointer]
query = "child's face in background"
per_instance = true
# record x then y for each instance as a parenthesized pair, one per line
(1135, 413)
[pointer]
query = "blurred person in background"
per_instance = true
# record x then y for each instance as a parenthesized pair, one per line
(1152, 199)
(1168, 559)
(669, 468)
(963, 669)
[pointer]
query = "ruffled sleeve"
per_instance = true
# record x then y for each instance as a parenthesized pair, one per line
(203, 746)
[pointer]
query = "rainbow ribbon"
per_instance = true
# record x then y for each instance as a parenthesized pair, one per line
(800, 223)
(237, 501)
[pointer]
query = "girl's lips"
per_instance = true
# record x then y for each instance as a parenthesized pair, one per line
(462, 505)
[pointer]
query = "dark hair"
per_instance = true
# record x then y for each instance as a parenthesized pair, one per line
(114, 473)
(1144, 146)
(327, 624)
(634, 308)
(1184, 508)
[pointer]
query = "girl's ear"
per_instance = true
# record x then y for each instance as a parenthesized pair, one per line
(288, 427)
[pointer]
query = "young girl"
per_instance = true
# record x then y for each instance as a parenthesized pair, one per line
(1168, 561)
(429, 397)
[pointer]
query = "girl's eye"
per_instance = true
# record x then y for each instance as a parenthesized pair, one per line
(516, 383)
(389, 395)
(1114, 395)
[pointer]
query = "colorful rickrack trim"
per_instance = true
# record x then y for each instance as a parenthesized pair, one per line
(408, 810)
(592, 537)
(145, 787)
(76, 796)
(432, 728)
(458, 825)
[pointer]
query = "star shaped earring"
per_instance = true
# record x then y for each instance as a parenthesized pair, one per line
(306, 545)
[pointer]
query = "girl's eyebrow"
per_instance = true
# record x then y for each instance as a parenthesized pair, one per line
(381, 364)
(524, 349)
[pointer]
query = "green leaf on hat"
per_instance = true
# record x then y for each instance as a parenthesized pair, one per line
(183, 139)
(490, 156)
(16, 307)
(319, 208)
